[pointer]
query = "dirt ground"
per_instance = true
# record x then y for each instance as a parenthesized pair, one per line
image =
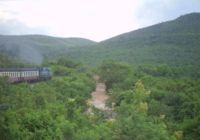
(99, 96)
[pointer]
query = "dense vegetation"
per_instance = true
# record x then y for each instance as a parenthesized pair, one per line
(150, 103)
(53, 109)
(153, 104)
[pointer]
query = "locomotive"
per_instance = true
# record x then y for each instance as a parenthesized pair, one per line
(26, 74)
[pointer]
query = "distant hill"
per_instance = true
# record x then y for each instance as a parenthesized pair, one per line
(173, 42)
(33, 48)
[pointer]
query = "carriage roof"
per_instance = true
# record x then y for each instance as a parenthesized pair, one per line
(18, 69)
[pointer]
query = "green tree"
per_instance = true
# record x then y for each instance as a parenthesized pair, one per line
(114, 73)
(133, 121)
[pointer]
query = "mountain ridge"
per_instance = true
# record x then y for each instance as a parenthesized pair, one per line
(164, 27)
(172, 42)
(34, 48)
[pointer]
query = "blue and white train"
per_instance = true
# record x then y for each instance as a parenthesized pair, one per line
(25, 74)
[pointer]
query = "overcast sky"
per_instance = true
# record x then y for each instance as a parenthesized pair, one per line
(92, 19)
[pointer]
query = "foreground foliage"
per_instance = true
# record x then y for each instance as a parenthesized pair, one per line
(153, 102)
(159, 102)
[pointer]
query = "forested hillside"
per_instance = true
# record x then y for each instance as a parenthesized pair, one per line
(36, 48)
(174, 42)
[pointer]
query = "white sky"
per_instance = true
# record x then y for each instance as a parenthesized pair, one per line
(92, 19)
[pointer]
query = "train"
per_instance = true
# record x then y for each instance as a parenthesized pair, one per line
(15, 75)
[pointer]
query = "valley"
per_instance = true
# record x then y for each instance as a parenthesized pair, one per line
(140, 85)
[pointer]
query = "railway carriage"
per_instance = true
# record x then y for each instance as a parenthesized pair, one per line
(25, 74)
